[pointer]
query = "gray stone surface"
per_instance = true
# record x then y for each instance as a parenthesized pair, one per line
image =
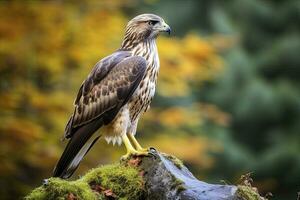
(165, 180)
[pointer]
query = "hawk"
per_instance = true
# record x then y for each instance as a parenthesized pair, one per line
(116, 93)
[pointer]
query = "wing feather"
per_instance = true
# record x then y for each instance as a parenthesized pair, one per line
(106, 91)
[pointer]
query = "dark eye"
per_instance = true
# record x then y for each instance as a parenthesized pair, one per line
(152, 22)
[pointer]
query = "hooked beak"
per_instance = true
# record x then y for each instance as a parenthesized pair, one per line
(165, 28)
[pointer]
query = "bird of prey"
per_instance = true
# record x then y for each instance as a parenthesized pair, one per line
(115, 94)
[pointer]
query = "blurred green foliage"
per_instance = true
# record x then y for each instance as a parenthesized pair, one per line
(259, 88)
(227, 102)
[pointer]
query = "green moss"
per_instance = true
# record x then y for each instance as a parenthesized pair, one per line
(60, 189)
(123, 181)
(248, 193)
(177, 162)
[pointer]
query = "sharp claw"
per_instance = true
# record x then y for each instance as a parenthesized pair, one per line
(149, 152)
(45, 182)
(152, 149)
(153, 153)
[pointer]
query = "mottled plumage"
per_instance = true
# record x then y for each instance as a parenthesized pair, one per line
(115, 94)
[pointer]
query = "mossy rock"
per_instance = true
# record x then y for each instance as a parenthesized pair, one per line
(57, 188)
(176, 161)
(159, 176)
(115, 181)
(124, 181)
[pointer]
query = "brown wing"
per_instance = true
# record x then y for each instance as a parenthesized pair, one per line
(106, 90)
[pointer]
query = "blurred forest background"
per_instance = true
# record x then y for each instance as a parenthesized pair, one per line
(228, 97)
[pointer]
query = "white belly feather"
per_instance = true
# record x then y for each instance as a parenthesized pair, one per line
(128, 116)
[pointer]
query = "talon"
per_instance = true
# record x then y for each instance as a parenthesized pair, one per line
(133, 153)
(136, 149)
(45, 182)
(154, 154)
(152, 149)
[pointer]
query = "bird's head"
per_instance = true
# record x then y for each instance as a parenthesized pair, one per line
(145, 26)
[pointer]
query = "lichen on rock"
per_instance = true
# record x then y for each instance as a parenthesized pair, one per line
(176, 161)
(248, 193)
(177, 184)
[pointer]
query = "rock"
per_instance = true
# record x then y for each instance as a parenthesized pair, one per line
(167, 178)
(156, 177)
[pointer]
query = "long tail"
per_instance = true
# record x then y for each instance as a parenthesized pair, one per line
(79, 144)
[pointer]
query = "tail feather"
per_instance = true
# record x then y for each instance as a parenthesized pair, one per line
(79, 145)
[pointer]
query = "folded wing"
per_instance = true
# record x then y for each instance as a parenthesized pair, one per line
(108, 87)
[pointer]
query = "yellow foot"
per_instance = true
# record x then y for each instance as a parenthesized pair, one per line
(136, 145)
(143, 150)
(135, 149)
(134, 152)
